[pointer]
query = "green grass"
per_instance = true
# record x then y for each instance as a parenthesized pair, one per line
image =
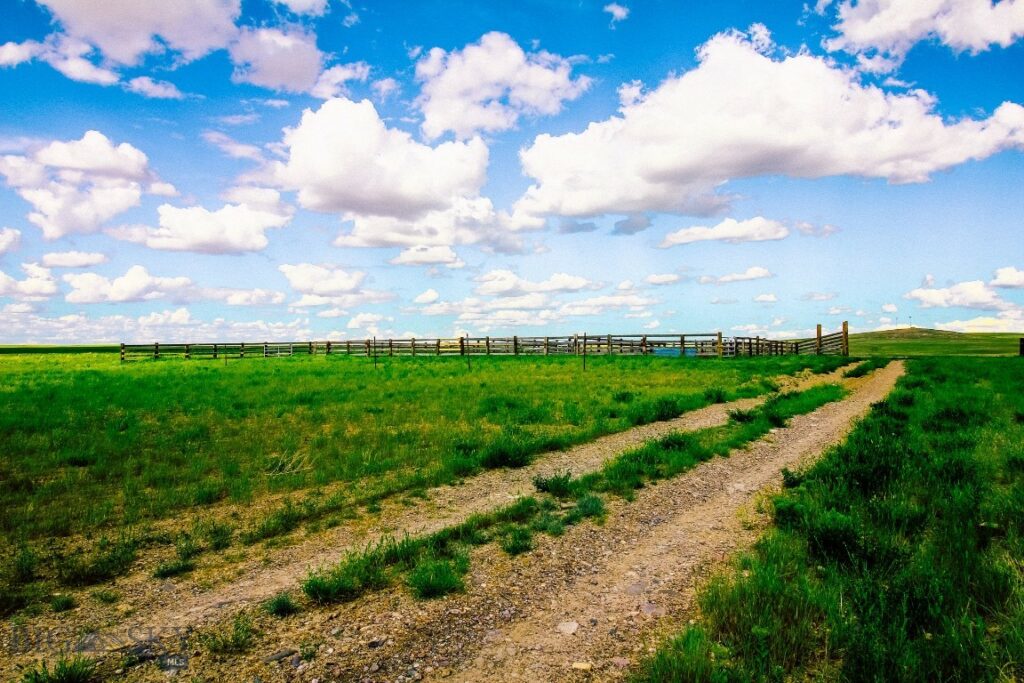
(99, 450)
(441, 557)
(66, 670)
(920, 341)
(281, 605)
(62, 602)
(867, 367)
(233, 639)
(896, 557)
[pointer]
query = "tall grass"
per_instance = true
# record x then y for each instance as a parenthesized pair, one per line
(897, 557)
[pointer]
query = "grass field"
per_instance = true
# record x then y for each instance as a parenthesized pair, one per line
(95, 451)
(919, 341)
(897, 557)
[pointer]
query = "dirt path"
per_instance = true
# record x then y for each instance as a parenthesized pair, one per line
(182, 604)
(659, 545)
(583, 606)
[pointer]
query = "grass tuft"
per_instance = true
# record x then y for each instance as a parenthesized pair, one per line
(281, 605)
(73, 670)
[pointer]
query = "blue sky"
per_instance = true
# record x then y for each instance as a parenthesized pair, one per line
(216, 169)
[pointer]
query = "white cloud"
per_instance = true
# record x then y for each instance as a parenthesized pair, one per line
(766, 298)
(284, 59)
(757, 229)
(507, 283)
(618, 12)
(385, 88)
(233, 148)
(38, 284)
(77, 186)
(73, 259)
(972, 294)
(70, 57)
(652, 325)
(325, 280)
(1005, 277)
(889, 308)
(239, 119)
(597, 305)
(9, 239)
(889, 28)
(13, 54)
(427, 297)
(489, 84)
(245, 297)
(720, 301)
(395, 191)
(125, 30)
(147, 87)
(1005, 321)
(135, 285)
(819, 296)
(231, 229)
(365, 321)
(630, 225)
(331, 82)
(752, 273)
(424, 255)
(312, 7)
(742, 114)
(662, 279)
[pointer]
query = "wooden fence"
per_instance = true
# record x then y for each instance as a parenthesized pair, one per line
(704, 344)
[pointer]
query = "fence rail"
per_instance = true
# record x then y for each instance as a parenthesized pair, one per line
(702, 344)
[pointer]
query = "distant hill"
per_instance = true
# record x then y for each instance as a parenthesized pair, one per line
(921, 341)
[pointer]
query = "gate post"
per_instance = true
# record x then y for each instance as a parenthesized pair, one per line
(846, 338)
(817, 346)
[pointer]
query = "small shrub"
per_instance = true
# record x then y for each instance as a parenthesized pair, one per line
(218, 535)
(62, 602)
(589, 505)
(549, 523)
(107, 597)
(356, 574)
(434, 577)
(742, 416)
(175, 567)
(23, 567)
(509, 449)
(715, 395)
(74, 670)
(623, 396)
(186, 547)
(558, 485)
(110, 559)
(281, 605)
(517, 540)
(234, 640)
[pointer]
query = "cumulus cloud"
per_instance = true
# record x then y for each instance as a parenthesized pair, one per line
(385, 88)
(819, 296)
(618, 12)
(73, 259)
(322, 280)
(312, 7)
(424, 255)
(742, 113)
(231, 229)
(662, 279)
(284, 58)
(78, 185)
(9, 239)
(812, 230)
(125, 30)
(245, 297)
(147, 87)
(752, 273)
(507, 283)
(342, 158)
(13, 54)
(331, 83)
(1005, 321)
(37, 285)
(427, 297)
(757, 229)
(889, 308)
(766, 298)
(135, 285)
(1005, 277)
(972, 294)
(881, 32)
(630, 225)
(489, 84)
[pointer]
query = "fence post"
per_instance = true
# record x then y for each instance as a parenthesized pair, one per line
(584, 351)
(817, 346)
(266, 351)
(719, 344)
(156, 350)
(122, 351)
(846, 338)
(487, 345)
(1022, 346)
(188, 353)
(546, 351)
(215, 352)
(327, 348)
(413, 342)
(312, 349)
(515, 345)
(462, 346)
(241, 351)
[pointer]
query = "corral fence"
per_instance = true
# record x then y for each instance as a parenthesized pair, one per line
(704, 344)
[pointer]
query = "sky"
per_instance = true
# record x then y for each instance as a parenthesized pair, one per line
(250, 170)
